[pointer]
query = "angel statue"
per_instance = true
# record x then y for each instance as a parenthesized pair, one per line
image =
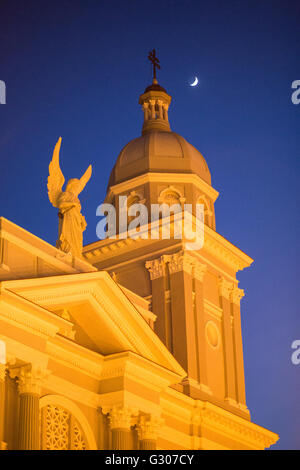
(71, 222)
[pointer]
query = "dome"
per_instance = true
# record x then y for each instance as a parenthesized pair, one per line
(159, 151)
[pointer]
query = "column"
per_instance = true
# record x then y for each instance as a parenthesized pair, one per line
(146, 111)
(199, 272)
(29, 378)
(165, 108)
(183, 323)
(225, 288)
(236, 295)
(162, 326)
(152, 107)
(120, 423)
(148, 428)
(160, 110)
(2, 404)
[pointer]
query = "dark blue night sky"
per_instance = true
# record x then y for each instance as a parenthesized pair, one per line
(76, 69)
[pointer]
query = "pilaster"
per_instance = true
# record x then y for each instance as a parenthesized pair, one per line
(157, 271)
(180, 267)
(235, 297)
(199, 273)
(225, 288)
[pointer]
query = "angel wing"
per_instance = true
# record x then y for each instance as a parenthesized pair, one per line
(55, 179)
(84, 179)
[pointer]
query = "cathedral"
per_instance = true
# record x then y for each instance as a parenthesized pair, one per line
(135, 343)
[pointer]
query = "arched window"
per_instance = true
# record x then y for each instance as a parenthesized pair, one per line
(63, 425)
(207, 212)
(171, 196)
(133, 198)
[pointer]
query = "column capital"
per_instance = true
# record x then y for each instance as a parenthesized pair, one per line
(29, 378)
(180, 261)
(225, 287)
(156, 268)
(236, 295)
(148, 427)
(120, 417)
(199, 270)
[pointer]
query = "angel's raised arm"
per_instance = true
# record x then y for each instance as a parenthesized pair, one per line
(55, 179)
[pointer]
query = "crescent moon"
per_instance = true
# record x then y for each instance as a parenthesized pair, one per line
(195, 82)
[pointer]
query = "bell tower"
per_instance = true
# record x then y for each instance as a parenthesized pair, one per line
(193, 294)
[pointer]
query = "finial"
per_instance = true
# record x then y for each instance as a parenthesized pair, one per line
(155, 63)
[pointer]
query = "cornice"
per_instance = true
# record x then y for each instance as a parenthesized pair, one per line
(41, 249)
(140, 369)
(205, 414)
(173, 178)
(241, 430)
(214, 244)
(33, 317)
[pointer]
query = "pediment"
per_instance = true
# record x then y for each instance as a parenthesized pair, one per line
(104, 317)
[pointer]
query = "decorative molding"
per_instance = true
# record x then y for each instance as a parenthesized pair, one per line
(225, 287)
(180, 261)
(120, 417)
(30, 378)
(31, 323)
(212, 334)
(169, 190)
(214, 244)
(209, 416)
(148, 427)
(171, 178)
(258, 439)
(75, 359)
(156, 268)
(236, 295)
(213, 309)
(139, 195)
